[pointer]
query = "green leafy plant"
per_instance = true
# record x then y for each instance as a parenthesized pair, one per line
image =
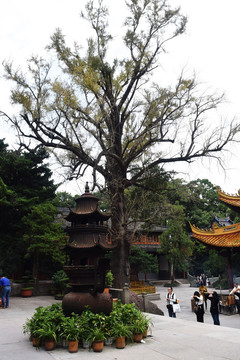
(28, 288)
(109, 279)
(51, 314)
(97, 334)
(69, 328)
(60, 281)
(120, 329)
(48, 331)
(139, 326)
(85, 322)
(51, 323)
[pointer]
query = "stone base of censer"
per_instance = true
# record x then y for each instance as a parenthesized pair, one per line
(77, 301)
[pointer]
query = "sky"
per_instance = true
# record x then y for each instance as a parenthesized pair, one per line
(209, 48)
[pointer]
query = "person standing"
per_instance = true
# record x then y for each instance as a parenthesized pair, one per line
(204, 280)
(236, 291)
(6, 290)
(214, 308)
(171, 299)
(203, 290)
(198, 308)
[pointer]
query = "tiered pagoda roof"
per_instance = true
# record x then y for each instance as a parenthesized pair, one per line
(88, 224)
(87, 209)
(219, 234)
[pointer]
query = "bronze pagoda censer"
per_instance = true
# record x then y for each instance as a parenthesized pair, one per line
(88, 244)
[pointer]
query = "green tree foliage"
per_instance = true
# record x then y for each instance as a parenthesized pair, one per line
(111, 114)
(175, 243)
(203, 203)
(24, 182)
(215, 264)
(43, 236)
(147, 202)
(64, 199)
(27, 173)
(140, 260)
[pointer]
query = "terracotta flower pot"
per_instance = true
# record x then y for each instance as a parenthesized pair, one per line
(145, 333)
(35, 341)
(72, 346)
(120, 342)
(98, 345)
(137, 337)
(26, 292)
(49, 344)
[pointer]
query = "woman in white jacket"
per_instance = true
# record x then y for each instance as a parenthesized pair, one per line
(171, 299)
(198, 308)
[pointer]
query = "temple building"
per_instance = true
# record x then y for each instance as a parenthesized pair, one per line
(223, 234)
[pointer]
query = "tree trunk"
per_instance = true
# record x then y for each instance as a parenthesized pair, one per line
(230, 274)
(120, 256)
(35, 264)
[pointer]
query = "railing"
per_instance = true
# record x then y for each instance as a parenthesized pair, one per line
(139, 287)
(146, 240)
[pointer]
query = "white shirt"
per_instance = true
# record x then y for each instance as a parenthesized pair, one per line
(171, 298)
(233, 291)
(199, 299)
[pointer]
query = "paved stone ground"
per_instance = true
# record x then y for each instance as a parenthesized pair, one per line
(184, 293)
(181, 338)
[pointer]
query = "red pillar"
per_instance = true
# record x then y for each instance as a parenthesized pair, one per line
(230, 274)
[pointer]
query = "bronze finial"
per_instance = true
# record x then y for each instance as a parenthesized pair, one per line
(87, 188)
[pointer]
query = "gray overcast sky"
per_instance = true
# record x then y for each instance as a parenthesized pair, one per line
(210, 47)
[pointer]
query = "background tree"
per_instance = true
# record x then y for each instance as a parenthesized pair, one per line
(25, 180)
(44, 237)
(64, 199)
(109, 115)
(203, 203)
(142, 261)
(175, 243)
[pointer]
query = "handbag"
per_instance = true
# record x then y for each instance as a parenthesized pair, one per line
(195, 308)
(176, 308)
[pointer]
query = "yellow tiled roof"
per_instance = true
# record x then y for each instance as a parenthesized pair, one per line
(224, 236)
(233, 200)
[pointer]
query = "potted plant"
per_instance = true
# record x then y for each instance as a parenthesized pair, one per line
(60, 283)
(120, 331)
(85, 323)
(138, 327)
(97, 339)
(27, 291)
(71, 332)
(108, 330)
(139, 324)
(30, 327)
(48, 333)
(108, 281)
(52, 315)
(148, 325)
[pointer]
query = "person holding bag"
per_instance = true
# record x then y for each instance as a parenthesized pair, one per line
(198, 308)
(171, 299)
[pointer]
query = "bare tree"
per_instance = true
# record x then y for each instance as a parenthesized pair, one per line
(110, 115)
